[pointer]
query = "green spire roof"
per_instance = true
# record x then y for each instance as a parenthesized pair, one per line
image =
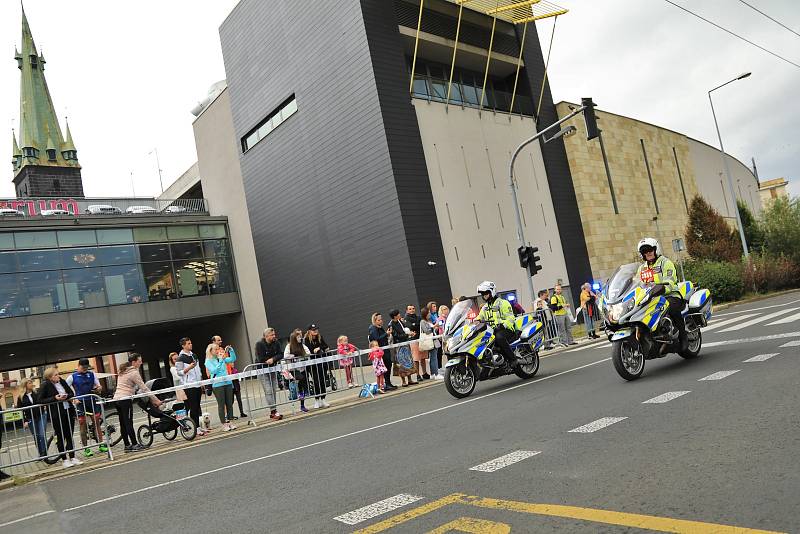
(68, 144)
(17, 151)
(39, 125)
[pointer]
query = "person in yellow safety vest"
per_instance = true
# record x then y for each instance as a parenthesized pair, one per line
(498, 313)
(559, 305)
(660, 271)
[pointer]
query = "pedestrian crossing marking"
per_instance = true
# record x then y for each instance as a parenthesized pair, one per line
(666, 397)
(504, 461)
(759, 319)
(594, 426)
(760, 358)
(790, 319)
(719, 375)
(714, 326)
(791, 344)
(375, 509)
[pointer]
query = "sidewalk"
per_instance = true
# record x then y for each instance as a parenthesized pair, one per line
(256, 420)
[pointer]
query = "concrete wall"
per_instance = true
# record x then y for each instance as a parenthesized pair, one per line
(182, 184)
(467, 155)
(713, 182)
(611, 238)
(221, 178)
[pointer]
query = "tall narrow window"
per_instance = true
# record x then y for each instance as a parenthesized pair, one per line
(680, 179)
(279, 115)
(475, 211)
(500, 213)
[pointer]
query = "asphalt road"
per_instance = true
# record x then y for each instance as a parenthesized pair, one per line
(726, 453)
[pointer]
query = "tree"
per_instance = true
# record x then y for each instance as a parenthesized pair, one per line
(708, 236)
(752, 229)
(781, 226)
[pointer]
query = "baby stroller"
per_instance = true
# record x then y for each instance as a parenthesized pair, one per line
(167, 421)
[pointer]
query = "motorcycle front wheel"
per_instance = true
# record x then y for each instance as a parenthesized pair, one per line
(628, 359)
(460, 380)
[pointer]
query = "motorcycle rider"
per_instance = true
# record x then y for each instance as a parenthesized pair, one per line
(660, 270)
(498, 313)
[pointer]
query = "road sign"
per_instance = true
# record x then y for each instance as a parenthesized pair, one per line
(677, 245)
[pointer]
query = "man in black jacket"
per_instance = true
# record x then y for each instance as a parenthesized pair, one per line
(269, 353)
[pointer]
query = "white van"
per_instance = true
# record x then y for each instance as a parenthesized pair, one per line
(141, 209)
(102, 209)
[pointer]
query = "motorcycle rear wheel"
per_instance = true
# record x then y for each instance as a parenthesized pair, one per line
(694, 345)
(628, 360)
(460, 380)
(526, 371)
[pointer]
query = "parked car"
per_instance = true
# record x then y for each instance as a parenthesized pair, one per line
(175, 209)
(53, 213)
(141, 209)
(8, 212)
(102, 209)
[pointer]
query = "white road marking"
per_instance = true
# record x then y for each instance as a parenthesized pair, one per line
(666, 397)
(33, 516)
(375, 509)
(756, 309)
(504, 461)
(719, 375)
(594, 426)
(714, 326)
(758, 319)
(790, 319)
(327, 440)
(791, 344)
(592, 346)
(760, 357)
(751, 339)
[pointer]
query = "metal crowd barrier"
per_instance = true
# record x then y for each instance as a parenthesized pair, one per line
(43, 434)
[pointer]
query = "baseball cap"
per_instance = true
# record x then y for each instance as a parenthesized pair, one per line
(84, 362)
(312, 326)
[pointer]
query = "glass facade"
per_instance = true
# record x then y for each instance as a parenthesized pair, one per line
(52, 271)
(430, 83)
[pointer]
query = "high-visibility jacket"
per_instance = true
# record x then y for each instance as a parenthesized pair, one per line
(661, 272)
(557, 302)
(497, 312)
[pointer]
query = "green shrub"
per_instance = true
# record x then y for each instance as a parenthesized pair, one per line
(781, 227)
(723, 279)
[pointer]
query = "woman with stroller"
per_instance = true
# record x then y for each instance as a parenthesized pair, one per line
(216, 365)
(128, 381)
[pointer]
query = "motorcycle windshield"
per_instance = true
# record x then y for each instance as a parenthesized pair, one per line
(621, 282)
(457, 317)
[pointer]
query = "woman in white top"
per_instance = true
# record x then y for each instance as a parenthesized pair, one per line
(296, 349)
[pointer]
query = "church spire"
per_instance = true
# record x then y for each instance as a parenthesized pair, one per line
(40, 135)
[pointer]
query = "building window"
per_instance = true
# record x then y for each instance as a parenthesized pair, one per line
(272, 121)
(56, 183)
(51, 154)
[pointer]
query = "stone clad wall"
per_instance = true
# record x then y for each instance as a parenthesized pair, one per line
(611, 238)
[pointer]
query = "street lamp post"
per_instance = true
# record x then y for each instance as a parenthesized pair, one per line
(725, 162)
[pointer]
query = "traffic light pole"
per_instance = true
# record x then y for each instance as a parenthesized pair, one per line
(513, 186)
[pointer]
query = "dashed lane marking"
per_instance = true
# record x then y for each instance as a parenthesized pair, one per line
(786, 304)
(751, 339)
(32, 516)
(719, 375)
(594, 515)
(760, 357)
(601, 423)
(666, 397)
(791, 344)
(759, 319)
(504, 461)
(379, 508)
(790, 319)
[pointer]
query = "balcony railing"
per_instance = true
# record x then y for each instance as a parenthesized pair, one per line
(66, 207)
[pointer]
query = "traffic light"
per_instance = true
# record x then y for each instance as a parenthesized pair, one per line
(529, 260)
(589, 118)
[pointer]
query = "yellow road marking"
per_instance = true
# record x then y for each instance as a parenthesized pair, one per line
(648, 522)
(470, 525)
(408, 515)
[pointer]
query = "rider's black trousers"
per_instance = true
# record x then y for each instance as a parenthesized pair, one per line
(502, 341)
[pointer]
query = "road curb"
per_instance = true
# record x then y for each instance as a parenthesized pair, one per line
(251, 426)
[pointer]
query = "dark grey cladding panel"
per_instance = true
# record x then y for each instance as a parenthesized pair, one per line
(407, 155)
(559, 178)
(327, 225)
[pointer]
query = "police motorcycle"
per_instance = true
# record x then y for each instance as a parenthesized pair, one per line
(638, 325)
(468, 345)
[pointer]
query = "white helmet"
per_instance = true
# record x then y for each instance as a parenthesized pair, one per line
(486, 285)
(649, 242)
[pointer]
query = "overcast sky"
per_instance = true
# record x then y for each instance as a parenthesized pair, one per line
(127, 74)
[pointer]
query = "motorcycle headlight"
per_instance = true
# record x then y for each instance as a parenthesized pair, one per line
(615, 311)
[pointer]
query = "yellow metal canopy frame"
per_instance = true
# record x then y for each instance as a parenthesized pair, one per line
(512, 11)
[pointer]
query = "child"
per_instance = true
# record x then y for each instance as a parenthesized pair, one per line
(345, 348)
(376, 357)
